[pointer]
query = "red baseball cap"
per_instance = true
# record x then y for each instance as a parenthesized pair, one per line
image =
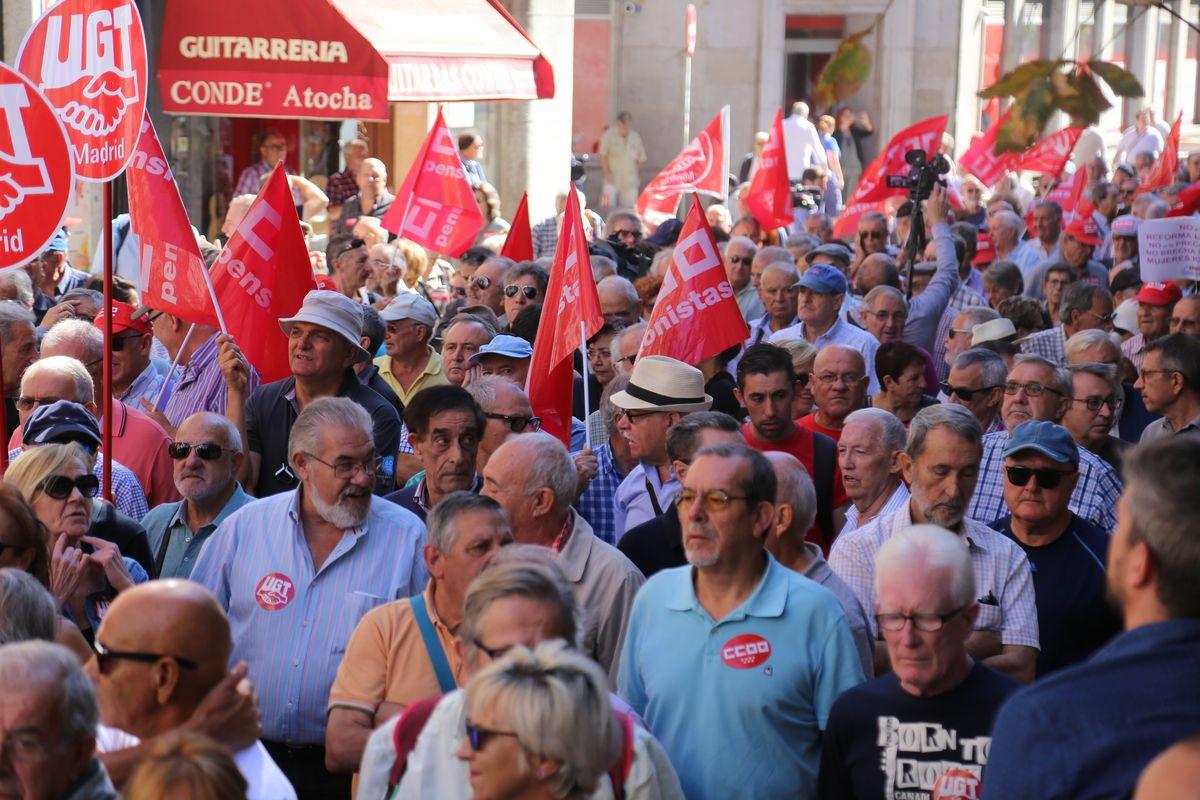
(123, 320)
(985, 253)
(1157, 293)
(1085, 230)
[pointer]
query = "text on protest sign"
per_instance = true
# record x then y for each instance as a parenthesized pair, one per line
(1169, 249)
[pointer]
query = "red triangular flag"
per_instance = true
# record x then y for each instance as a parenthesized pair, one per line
(262, 276)
(696, 315)
(769, 199)
(1189, 202)
(701, 167)
(518, 244)
(172, 269)
(570, 314)
(436, 206)
(1167, 166)
(1051, 154)
(981, 158)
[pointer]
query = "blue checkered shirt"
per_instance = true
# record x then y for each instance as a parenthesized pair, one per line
(964, 297)
(1050, 345)
(597, 504)
(1095, 496)
(545, 237)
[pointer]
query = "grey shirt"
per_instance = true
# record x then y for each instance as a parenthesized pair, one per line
(819, 570)
(1161, 429)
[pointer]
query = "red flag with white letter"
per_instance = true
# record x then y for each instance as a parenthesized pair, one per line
(701, 167)
(696, 315)
(981, 158)
(570, 314)
(436, 206)
(1167, 166)
(518, 244)
(769, 199)
(262, 276)
(1051, 154)
(172, 269)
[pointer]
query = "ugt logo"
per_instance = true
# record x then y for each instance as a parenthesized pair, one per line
(21, 172)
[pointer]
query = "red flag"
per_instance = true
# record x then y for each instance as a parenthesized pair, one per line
(518, 244)
(981, 158)
(1189, 202)
(701, 167)
(872, 187)
(770, 197)
(262, 276)
(1051, 154)
(1070, 196)
(172, 269)
(1167, 166)
(696, 315)
(571, 301)
(436, 206)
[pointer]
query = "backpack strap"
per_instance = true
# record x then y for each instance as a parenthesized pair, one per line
(441, 666)
(824, 462)
(404, 737)
(619, 771)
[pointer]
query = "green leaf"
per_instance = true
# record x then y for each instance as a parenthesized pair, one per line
(1086, 102)
(1030, 113)
(1020, 79)
(845, 71)
(1119, 80)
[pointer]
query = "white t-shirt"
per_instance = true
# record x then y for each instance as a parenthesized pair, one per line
(803, 146)
(1132, 142)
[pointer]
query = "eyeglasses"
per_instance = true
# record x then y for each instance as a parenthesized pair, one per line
(955, 331)
(1144, 372)
(712, 500)
(23, 746)
(518, 424)
(209, 451)
(1103, 320)
(964, 393)
(512, 289)
(830, 378)
(491, 652)
(118, 342)
(922, 621)
(60, 486)
(802, 378)
(27, 403)
(1033, 389)
(1094, 403)
(740, 259)
(346, 470)
(104, 655)
(884, 316)
(594, 353)
(876, 234)
(478, 737)
(1046, 478)
(482, 282)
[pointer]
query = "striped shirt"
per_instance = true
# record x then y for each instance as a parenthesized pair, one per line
(201, 386)
(291, 622)
(128, 496)
(897, 501)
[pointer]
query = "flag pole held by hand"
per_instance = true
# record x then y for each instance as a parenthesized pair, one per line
(587, 429)
(174, 363)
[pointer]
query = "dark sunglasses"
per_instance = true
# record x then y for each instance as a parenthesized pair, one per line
(118, 342)
(105, 656)
(458, 291)
(635, 235)
(965, 394)
(518, 424)
(60, 486)
(803, 378)
(1046, 478)
(741, 259)
(511, 290)
(207, 451)
(479, 737)
(872, 234)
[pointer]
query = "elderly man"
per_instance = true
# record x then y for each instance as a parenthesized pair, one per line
(597, 503)
(462, 337)
(18, 349)
(766, 388)
(785, 650)
(1156, 301)
(507, 410)
(1047, 227)
(534, 480)
(343, 185)
(1096, 403)
(1185, 316)
(48, 725)
(410, 363)
(660, 391)
(1037, 389)
(1005, 229)
(1132, 688)
(1084, 306)
(1098, 347)
(957, 330)
(778, 292)
(182, 640)
(839, 386)
(350, 270)
(619, 301)
(625, 348)
(272, 151)
(795, 511)
(505, 356)
(885, 311)
(392, 659)
(486, 286)
(738, 256)
(445, 425)
(976, 382)
(52, 273)
(927, 610)
(372, 200)
(869, 460)
(1066, 553)
(941, 465)
(134, 378)
(1170, 385)
(1079, 241)
(275, 564)
(207, 452)
(323, 345)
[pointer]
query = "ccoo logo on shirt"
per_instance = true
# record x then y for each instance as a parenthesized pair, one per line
(745, 651)
(274, 591)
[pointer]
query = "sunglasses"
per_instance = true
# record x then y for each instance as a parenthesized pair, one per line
(741, 259)
(60, 486)
(518, 424)
(1046, 478)
(479, 737)
(104, 656)
(872, 234)
(635, 235)
(208, 451)
(118, 342)
(965, 394)
(512, 289)
(458, 291)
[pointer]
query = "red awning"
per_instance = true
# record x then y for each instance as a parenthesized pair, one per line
(342, 59)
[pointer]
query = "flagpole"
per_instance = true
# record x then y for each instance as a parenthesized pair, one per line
(212, 294)
(587, 429)
(171, 372)
(106, 238)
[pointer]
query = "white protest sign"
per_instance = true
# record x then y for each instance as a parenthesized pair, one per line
(1169, 249)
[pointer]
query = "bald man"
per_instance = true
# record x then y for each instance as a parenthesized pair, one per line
(779, 293)
(839, 386)
(163, 647)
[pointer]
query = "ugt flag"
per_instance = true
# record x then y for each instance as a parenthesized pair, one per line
(981, 158)
(702, 167)
(769, 199)
(1051, 154)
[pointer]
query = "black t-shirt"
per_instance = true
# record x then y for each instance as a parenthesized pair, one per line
(1074, 618)
(882, 742)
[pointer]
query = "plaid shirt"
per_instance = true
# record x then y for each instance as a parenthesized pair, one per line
(1003, 580)
(1050, 345)
(1134, 348)
(545, 237)
(341, 187)
(964, 297)
(597, 504)
(1095, 496)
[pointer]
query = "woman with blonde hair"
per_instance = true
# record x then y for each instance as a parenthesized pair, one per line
(186, 766)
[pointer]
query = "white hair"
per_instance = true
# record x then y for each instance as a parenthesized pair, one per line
(84, 339)
(64, 366)
(891, 430)
(622, 285)
(923, 552)
(322, 414)
(27, 610)
(550, 467)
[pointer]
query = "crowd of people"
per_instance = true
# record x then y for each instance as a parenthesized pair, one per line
(927, 533)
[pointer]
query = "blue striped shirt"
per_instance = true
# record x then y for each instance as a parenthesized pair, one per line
(291, 622)
(201, 386)
(128, 496)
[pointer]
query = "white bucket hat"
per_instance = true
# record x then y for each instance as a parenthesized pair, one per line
(993, 330)
(659, 383)
(334, 311)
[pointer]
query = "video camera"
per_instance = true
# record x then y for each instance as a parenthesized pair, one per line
(807, 197)
(921, 178)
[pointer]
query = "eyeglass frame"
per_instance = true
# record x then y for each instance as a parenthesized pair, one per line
(356, 467)
(174, 446)
(530, 292)
(106, 654)
(1011, 388)
(1095, 403)
(513, 419)
(942, 619)
(478, 737)
(963, 392)
(707, 499)
(1035, 474)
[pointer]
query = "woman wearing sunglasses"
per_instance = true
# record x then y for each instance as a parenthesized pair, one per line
(86, 572)
(539, 725)
(524, 285)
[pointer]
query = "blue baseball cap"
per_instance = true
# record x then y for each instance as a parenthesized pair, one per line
(1048, 438)
(504, 345)
(62, 422)
(823, 278)
(59, 243)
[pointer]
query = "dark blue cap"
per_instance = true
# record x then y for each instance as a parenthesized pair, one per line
(1050, 439)
(62, 422)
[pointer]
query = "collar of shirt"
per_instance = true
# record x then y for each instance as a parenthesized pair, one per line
(564, 533)
(204, 355)
(976, 533)
(355, 533)
(769, 598)
(350, 384)
(826, 337)
(1149, 639)
(605, 463)
(421, 492)
(235, 501)
(898, 497)
(140, 384)
(573, 557)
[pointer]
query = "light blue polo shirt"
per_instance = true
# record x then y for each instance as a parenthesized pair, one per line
(739, 704)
